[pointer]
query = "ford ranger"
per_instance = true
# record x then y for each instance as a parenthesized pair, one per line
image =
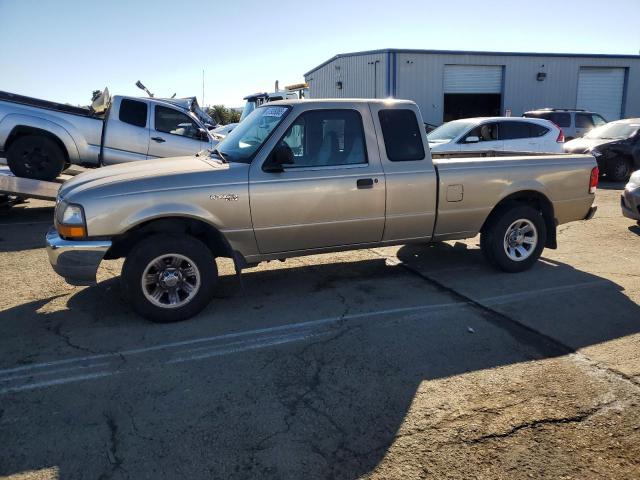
(301, 177)
(41, 138)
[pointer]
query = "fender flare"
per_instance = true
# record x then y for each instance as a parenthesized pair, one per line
(16, 120)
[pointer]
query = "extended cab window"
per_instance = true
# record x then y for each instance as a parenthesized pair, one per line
(324, 138)
(133, 112)
(171, 121)
(402, 135)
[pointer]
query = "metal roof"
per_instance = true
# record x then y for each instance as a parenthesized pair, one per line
(470, 52)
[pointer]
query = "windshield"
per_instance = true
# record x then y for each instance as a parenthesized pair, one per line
(245, 140)
(449, 131)
(614, 130)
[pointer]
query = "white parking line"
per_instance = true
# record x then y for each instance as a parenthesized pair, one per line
(24, 377)
(30, 377)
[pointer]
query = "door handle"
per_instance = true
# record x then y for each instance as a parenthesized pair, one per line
(158, 139)
(365, 183)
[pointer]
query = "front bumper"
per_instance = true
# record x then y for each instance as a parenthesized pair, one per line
(630, 203)
(77, 261)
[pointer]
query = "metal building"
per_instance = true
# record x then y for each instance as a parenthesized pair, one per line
(456, 84)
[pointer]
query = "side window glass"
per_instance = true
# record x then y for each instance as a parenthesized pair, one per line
(561, 119)
(171, 121)
(598, 120)
(485, 133)
(402, 135)
(537, 130)
(133, 112)
(583, 120)
(325, 138)
(514, 130)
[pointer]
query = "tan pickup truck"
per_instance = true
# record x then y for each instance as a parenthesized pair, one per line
(303, 177)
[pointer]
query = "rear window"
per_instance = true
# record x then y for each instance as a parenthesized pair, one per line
(133, 112)
(402, 135)
(562, 119)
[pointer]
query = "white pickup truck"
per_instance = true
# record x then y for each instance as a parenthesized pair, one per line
(42, 138)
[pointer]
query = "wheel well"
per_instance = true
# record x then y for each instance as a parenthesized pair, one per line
(533, 199)
(22, 131)
(203, 231)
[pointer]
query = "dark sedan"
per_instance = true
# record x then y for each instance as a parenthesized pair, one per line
(615, 145)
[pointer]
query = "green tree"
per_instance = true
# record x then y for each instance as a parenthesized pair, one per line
(223, 115)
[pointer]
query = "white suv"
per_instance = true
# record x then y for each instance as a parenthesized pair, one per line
(514, 134)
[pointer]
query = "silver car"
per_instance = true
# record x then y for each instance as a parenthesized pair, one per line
(630, 200)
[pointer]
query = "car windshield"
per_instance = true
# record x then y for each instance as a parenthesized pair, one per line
(245, 140)
(614, 130)
(449, 131)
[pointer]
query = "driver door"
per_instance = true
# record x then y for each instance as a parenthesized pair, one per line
(332, 194)
(487, 138)
(174, 134)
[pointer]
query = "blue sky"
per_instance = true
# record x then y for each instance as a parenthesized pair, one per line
(62, 50)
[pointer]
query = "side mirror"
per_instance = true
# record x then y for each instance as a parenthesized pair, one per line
(472, 139)
(281, 155)
(202, 134)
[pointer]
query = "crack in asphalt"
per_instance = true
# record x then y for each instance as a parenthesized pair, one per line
(112, 452)
(57, 330)
(577, 418)
(311, 392)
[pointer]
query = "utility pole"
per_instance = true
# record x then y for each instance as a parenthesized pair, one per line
(203, 88)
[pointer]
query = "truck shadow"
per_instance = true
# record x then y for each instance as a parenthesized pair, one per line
(24, 228)
(327, 407)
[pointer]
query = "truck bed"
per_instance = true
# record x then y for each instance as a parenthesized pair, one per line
(46, 104)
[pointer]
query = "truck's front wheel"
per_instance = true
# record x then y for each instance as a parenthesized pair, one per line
(35, 156)
(514, 238)
(168, 278)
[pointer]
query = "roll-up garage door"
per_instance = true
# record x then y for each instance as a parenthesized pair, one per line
(601, 90)
(472, 79)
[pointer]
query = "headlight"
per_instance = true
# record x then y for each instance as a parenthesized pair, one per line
(596, 153)
(71, 221)
(72, 215)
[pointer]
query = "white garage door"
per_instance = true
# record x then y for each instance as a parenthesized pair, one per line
(601, 90)
(472, 79)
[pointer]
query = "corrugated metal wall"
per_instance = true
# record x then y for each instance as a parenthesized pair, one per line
(356, 74)
(419, 77)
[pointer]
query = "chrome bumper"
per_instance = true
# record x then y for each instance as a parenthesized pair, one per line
(77, 261)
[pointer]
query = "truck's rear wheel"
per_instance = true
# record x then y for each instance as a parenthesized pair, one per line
(514, 238)
(168, 278)
(36, 156)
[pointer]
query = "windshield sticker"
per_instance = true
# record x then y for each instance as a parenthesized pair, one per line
(275, 112)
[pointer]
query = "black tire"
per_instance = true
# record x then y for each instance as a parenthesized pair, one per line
(138, 263)
(619, 169)
(493, 237)
(36, 156)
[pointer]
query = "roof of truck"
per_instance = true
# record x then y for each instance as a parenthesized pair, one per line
(385, 101)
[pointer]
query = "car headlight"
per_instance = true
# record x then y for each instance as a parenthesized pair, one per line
(596, 153)
(71, 221)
